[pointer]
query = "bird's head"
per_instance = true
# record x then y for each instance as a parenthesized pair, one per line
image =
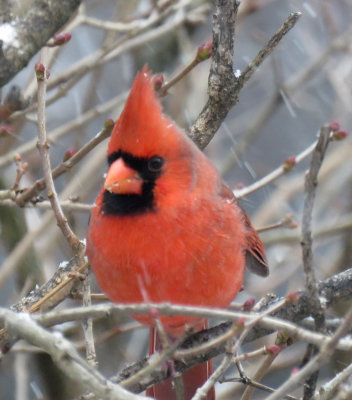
(148, 156)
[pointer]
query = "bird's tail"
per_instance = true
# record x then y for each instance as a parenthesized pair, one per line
(193, 378)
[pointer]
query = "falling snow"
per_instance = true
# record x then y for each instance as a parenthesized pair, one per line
(36, 390)
(288, 104)
(309, 9)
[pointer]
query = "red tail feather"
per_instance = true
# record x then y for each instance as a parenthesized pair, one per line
(192, 378)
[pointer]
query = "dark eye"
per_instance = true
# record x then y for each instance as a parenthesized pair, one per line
(155, 164)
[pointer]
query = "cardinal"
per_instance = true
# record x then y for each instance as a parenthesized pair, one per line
(166, 228)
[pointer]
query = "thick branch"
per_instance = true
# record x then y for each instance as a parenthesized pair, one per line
(65, 357)
(223, 86)
(333, 290)
(26, 27)
(222, 81)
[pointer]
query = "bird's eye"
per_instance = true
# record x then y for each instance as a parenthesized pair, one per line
(155, 164)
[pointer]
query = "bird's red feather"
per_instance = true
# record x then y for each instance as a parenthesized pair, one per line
(191, 247)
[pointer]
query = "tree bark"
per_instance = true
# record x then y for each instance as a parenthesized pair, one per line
(25, 27)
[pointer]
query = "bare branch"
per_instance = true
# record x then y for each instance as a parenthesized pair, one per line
(223, 86)
(65, 357)
(306, 243)
(65, 166)
(32, 24)
(316, 363)
(310, 188)
(87, 323)
(276, 173)
(269, 47)
(43, 147)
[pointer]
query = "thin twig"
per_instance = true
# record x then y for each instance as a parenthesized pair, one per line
(311, 182)
(269, 47)
(310, 189)
(21, 249)
(87, 323)
(324, 229)
(112, 26)
(202, 54)
(256, 385)
(129, 41)
(153, 363)
(264, 366)
(317, 362)
(214, 377)
(271, 323)
(333, 290)
(328, 390)
(66, 128)
(65, 166)
(276, 173)
(43, 147)
(45, 205)
(286, 222)
(261, 371)
(231, 350)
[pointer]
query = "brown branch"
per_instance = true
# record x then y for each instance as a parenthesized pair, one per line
(231, 349)
(256, 385)
(284, 168)
(87, 324)
(316, 363)
(222, 82)
(70, 205)
(65, 357)
(223, 86)
(317, 310)
(334, 289)
(64, 129)
(328, 390)
(65, 166)
(288, 89)
(269, 47)
(203, 53)
(43, 147)
(47, 296)
(31, 24)
(259, 374)
(306, 242)
(129, 41)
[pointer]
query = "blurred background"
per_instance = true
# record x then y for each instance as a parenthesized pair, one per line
(304, 84)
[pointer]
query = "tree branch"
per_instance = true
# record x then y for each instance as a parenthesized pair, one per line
(317, 310)
(223, 86)
(65, 357)
(26, 27)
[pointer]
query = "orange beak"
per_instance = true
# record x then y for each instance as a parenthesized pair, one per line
(122, 179)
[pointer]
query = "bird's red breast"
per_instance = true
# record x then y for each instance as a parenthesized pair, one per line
(165, 228)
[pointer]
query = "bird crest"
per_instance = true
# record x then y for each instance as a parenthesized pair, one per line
(142, 128)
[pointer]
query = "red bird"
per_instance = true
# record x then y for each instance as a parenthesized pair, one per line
(165, 227)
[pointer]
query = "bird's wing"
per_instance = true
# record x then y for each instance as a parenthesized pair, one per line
(255, 252)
